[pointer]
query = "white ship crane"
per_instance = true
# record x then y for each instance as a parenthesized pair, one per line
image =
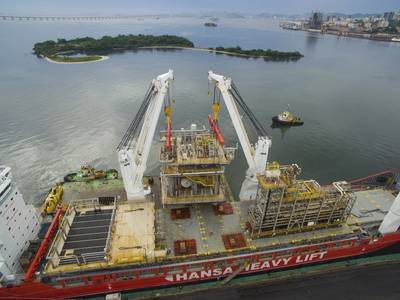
(256, 156)
(133, 155)
(391, 222)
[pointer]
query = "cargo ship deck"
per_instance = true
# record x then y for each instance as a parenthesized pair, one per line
(110, 235)
(101, 229)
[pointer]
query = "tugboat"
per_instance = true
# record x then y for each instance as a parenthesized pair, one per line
(286, 118)
(88, 173)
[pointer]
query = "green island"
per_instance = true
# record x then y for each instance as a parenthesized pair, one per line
(267, 54)
(64, 51)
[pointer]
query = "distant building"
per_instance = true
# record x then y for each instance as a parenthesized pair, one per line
(384, 24)
(331, 19)
(388, 16)
(316, 20)
(353, 26)
(368, 26)
(292, 25)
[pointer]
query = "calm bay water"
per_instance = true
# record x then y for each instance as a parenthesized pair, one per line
(54, 118)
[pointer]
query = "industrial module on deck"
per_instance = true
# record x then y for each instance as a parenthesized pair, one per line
(286, 204)
(193, 167)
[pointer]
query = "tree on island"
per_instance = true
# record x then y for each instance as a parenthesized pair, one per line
(108, 43)
(273, 54)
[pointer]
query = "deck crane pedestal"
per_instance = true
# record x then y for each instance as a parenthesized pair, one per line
(132, 156)
(256, 156)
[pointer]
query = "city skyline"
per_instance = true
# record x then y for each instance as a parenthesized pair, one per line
(101, 7)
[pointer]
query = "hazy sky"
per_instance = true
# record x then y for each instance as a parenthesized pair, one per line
(110, 7)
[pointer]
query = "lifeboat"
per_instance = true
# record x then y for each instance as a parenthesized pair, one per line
(52, 199)
(287, 119)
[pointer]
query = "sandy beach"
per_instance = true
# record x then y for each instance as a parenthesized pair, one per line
(78, 62)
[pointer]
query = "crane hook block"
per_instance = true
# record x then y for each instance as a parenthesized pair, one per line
(167, 111)
(215, 109)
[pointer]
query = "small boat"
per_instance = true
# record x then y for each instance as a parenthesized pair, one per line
(52, 199)
(287, 118)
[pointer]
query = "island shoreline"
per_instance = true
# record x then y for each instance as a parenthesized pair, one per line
(215, 51)
(103, 57)
(106, 45)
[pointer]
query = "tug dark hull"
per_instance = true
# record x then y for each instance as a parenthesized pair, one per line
(276, 121)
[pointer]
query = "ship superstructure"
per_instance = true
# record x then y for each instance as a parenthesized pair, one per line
(20, 224)
(186, 226)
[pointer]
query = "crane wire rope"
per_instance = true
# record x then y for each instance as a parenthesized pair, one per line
(252, 118)
(128, 137)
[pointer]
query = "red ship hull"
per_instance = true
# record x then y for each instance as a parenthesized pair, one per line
(196, 271)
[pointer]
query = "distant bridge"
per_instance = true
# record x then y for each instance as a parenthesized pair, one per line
(65, 18)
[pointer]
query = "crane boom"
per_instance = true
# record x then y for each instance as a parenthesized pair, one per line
(224, 84)
(133, 162)
(256, 157)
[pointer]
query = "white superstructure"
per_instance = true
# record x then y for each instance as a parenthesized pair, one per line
(19, 223)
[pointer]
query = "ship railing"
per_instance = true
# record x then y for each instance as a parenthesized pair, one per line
(157, 263)
(188, 198)
(108, 241)
(82, 259)
(314, 184)
(14, 279)
(171, 172)
(183, 131)
(85, 203)
(388, 178)
(53, 255)
(94, 256)
(250, 250)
